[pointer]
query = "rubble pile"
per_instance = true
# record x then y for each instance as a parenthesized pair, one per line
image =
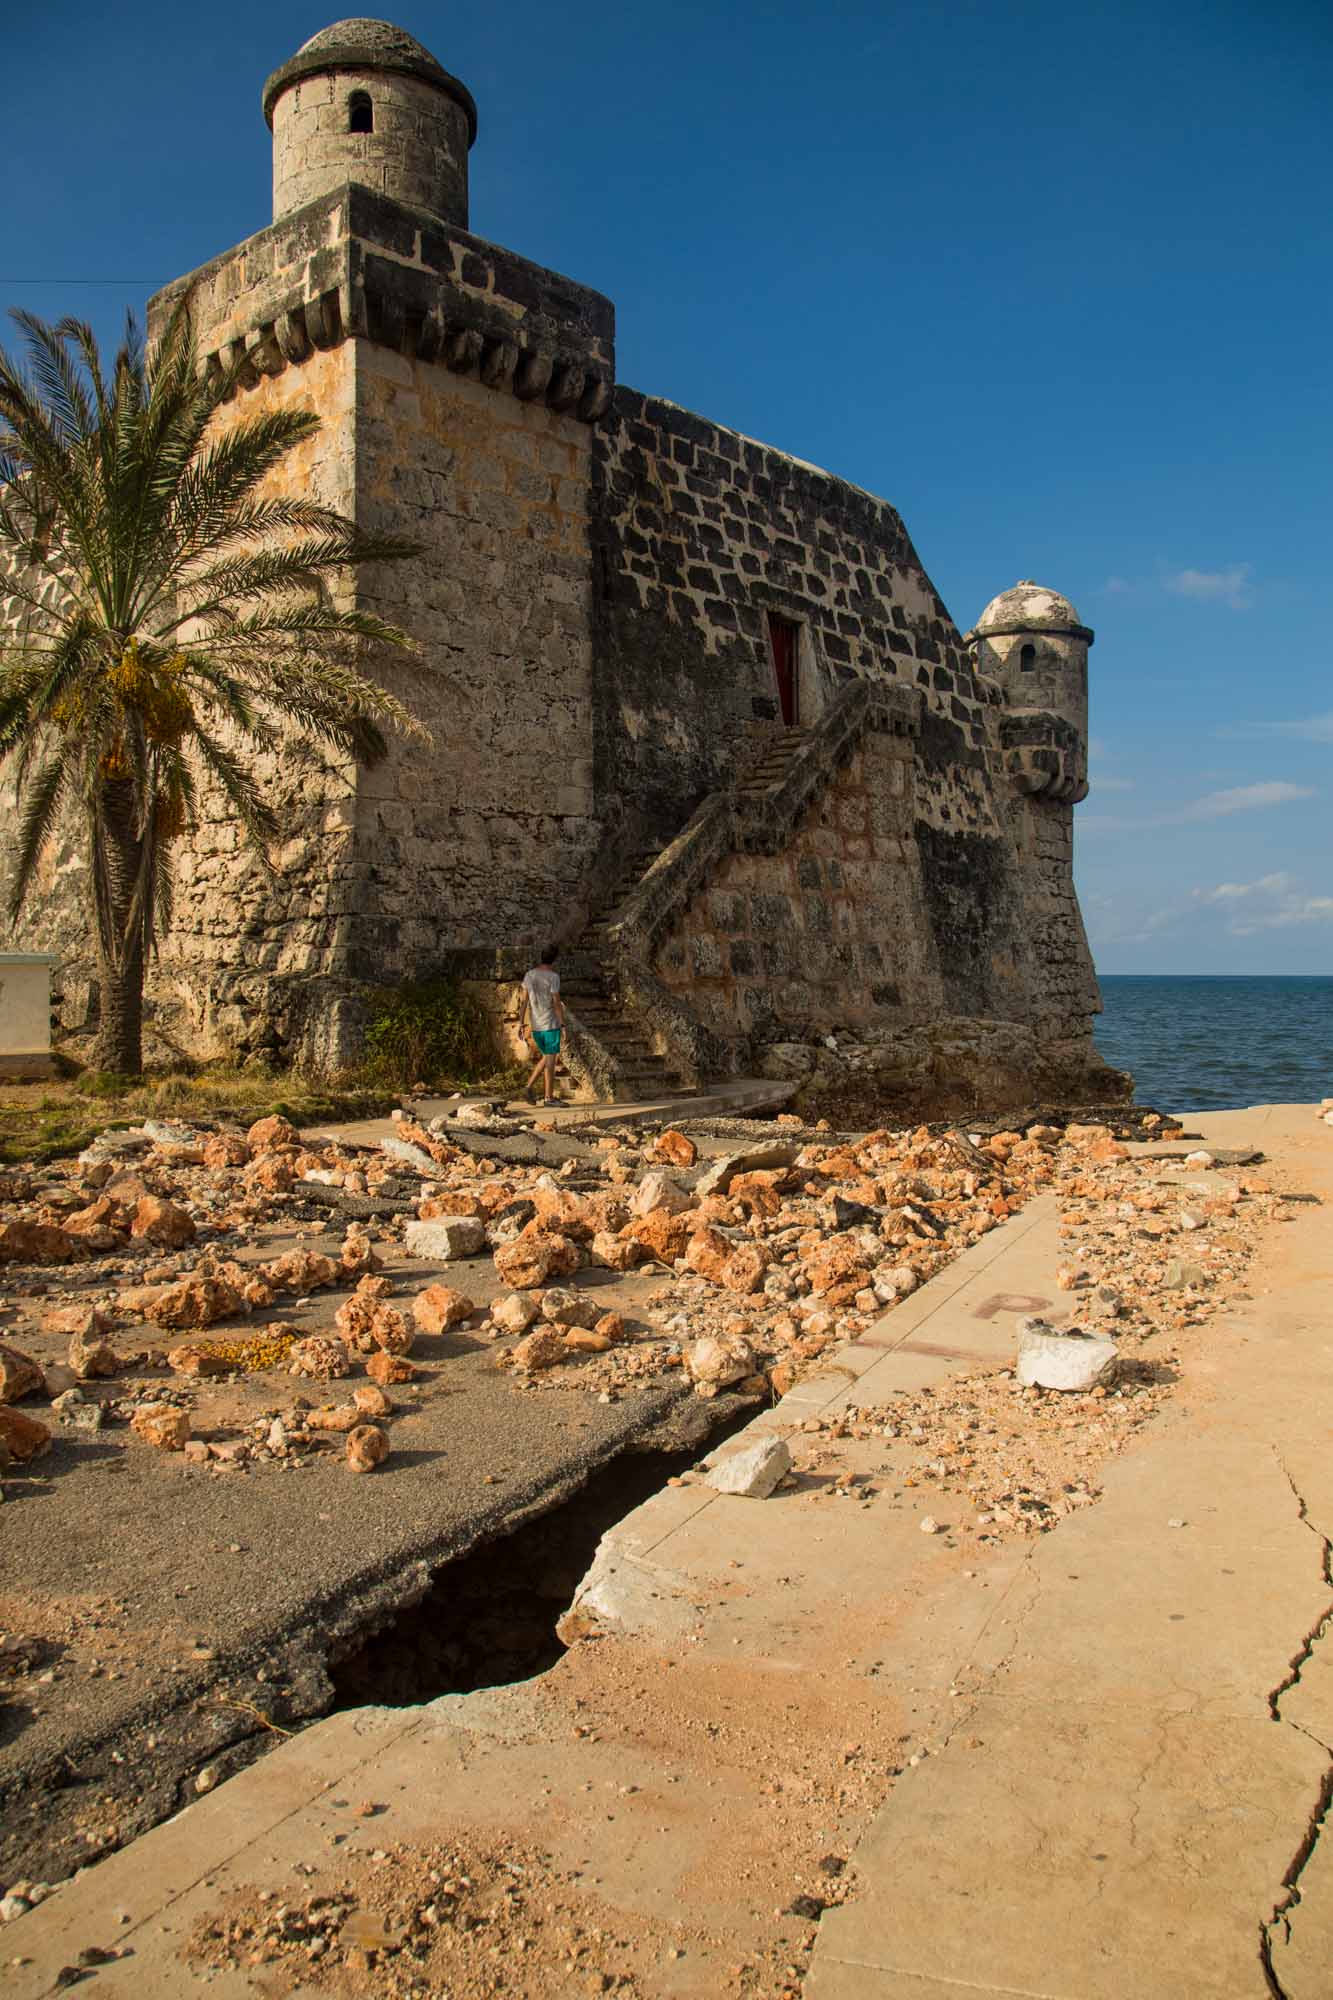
(988, 1457)
(133, 1271)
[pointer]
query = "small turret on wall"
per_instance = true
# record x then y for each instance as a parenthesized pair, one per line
(365, 103)
(1030, 642)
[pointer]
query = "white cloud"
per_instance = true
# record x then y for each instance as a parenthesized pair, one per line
(1212, 586)
(1307, 729)
(1273, 902)
(1212, 805)
(1103, 784)
(1244, 798)
(1116, 586)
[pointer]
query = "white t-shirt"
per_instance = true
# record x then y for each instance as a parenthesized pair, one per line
(539, 985)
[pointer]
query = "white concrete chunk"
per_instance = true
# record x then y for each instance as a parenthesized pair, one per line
(754, 1472)
(1064, 1357)
(447, 1237)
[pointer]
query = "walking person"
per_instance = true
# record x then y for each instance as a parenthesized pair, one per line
(543, 1016)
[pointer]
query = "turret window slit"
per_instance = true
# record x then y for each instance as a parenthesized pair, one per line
(360, 112)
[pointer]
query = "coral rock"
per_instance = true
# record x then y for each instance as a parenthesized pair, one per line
(19, 1375)
(92, 1359)
(542, 1349)
(320, 1357)
(21, 1436)
(534, 1259)
(675, 1148)
(367, 1447)
(162, 1425)
(385, 1368)
(371, 1400)
(713, 1362)
(513, 1313)
(300, 1271)
(438, 1308)
(197, 1360)
(561, 1308)
(334, 1417)
(162, 1222)
(25, 1242)
(267, 1133)
(585, 1340)
(226, 1149)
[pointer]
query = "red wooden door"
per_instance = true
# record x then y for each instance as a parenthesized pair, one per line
(782, 636)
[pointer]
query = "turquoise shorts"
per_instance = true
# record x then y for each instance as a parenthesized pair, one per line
(547, 1040)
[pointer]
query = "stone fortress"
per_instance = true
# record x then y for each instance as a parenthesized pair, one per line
(697, 710)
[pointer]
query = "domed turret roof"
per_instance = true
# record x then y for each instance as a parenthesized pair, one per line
(361, 43)
(1029, 607)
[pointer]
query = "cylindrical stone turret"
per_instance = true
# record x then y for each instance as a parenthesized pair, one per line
(1029, 639)
(362, 101)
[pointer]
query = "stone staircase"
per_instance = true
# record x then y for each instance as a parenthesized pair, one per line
(632, 1068)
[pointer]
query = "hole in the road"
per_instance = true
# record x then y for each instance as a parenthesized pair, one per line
(490, 1618)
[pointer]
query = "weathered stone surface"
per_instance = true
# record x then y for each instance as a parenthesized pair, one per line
(659, 1190)
(677, 1149)
(716, 1360)
(566, 1309)
(753, 1472)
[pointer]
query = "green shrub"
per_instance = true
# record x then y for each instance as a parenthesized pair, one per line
(429, 1033)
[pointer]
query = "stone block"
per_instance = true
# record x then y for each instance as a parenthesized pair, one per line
(446, 1238)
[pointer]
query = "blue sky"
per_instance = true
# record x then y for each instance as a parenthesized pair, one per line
(1055, 280)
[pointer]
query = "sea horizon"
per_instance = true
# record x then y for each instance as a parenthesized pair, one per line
(1252, 1038)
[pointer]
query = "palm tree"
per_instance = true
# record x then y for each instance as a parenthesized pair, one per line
(168, 617)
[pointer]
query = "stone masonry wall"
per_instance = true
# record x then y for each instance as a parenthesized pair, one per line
(831, 931)
(483, 838)
(698, 534)
(248, 958)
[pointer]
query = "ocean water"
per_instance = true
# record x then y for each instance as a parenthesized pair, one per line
(1215, 1044)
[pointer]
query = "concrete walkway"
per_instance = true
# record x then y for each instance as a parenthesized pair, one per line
(1114, 1744)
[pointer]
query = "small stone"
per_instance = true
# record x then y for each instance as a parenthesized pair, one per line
(513, 1313)
(385, 1368)
(542, 1349)
(371, 1400)
(929, 1525)
(754, 1472)
(20, 1375)
(22, 1437)
(367, 1447)
(439, 1307)
(162, 1425)
(207, 1778)
(163, 1223)
(675, 1148)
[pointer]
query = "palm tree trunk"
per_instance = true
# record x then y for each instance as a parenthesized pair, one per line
(119, 1044)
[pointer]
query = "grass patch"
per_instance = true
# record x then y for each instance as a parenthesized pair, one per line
(44, 1121)
(429, 1033)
